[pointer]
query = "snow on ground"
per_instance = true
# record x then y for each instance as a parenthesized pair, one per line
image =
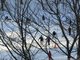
(56, 54)
(40, 55)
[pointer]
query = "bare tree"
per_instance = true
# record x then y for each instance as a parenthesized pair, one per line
(38, 23)
(18, 31)
(66, 14)
(15, 19)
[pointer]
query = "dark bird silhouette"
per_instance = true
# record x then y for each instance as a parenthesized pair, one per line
(54, 33)
(43, 17)
(69, 30)
(41, 39)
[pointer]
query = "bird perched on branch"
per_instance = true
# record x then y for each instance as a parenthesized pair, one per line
(43, 17)
(54, 33)
(7, 18)
(41, 39)
(69, 30)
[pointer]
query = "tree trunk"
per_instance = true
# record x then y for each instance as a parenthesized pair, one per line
(78, 32)
(78, 49)
(69, 55)
(68, 58)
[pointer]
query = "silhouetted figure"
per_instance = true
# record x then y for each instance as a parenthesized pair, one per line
(2, 4)
(41, 39)
(7, 18)
(21, 1)
(54, 33)
(69, 30)
(43, 17)
(49, 55)
(48, 40)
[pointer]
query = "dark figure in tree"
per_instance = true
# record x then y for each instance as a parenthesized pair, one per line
(54, 33)
(69, 30)
(7, 18)
(2, 4)
(43, 17)
(41, 39)
(48, 40)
